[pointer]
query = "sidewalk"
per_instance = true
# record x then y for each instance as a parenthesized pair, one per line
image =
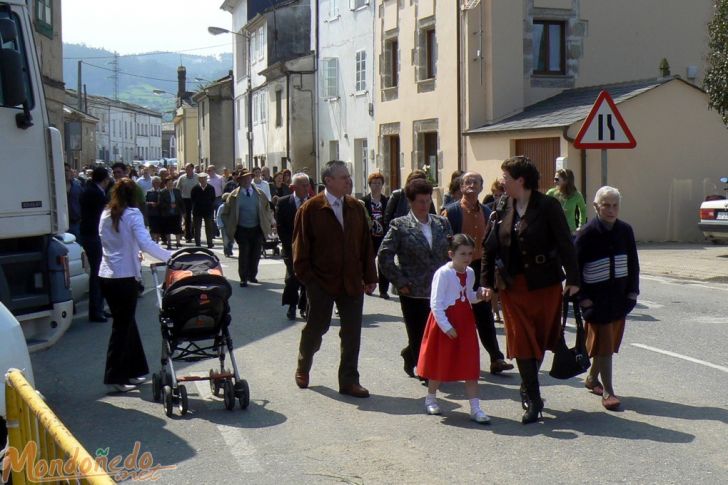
(703, 262)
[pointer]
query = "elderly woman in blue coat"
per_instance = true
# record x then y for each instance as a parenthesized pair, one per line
(607, 255)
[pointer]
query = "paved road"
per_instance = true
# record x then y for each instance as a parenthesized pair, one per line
(672, 374)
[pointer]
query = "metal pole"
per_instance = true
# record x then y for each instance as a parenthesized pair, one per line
(78, 87)
(604, 168)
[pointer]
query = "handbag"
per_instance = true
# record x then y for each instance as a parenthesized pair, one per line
(570, 362)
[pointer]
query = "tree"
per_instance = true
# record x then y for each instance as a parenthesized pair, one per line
(716, 75)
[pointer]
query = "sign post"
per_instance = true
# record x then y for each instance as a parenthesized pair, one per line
(604, 129)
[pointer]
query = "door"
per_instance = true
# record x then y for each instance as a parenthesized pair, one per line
(543, 152)
(394, 173)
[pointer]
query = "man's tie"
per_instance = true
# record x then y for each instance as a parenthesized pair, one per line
(247, 192)
(339, 213)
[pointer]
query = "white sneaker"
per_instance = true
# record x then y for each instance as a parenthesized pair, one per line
(121, 387)
(480, 417)
(432, 409)
(138, 380)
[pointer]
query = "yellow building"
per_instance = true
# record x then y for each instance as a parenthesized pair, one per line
(49, 44)
(186, 132)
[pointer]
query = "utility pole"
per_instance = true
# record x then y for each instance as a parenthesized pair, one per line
(115, 68)
(78, 86)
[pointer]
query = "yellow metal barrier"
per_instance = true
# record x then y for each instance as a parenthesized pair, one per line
(41, 449)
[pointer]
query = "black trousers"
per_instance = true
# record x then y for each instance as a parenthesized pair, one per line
(483, 312)
(92, 246)
(415, 312)
(320, 305)
(383, 281)
(188, 219)
(294, 293)
(210, 228)
(250, 242)
(125, 357)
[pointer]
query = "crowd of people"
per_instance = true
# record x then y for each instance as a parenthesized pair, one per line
(454, 272)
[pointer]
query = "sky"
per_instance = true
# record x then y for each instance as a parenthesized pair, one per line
(135, 26)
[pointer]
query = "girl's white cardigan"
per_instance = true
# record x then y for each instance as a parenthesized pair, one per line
(446, 291)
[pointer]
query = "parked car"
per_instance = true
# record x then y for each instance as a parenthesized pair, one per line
(714, 216)
(78, 267)
(13, 355)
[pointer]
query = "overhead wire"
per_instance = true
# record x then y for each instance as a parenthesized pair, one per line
(147, 53)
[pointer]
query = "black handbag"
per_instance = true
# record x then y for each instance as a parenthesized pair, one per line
(570, 362)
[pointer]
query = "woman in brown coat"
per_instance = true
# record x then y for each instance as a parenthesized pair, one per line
(523, 257)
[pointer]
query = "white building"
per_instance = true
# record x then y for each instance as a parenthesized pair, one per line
(125, 131)
(346, 82)
(273, 84)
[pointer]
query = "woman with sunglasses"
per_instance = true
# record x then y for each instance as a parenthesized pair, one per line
(571, 199)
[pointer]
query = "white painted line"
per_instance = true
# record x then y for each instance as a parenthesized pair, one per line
(237, 443)
(683, 357)
(683, 282)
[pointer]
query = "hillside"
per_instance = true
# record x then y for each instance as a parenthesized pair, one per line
(140, 74)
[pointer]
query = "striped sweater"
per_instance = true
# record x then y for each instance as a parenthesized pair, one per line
(609, 269)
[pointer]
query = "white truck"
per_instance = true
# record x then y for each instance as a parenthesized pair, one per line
(34, 274)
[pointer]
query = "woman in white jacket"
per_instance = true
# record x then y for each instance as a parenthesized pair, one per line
(123, 236)
(450, 350)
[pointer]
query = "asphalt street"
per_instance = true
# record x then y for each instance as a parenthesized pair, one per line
(671, 374)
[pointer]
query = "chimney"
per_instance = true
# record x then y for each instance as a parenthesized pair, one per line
(181, 82)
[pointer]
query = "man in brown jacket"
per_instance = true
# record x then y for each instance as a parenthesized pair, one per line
(333, 257)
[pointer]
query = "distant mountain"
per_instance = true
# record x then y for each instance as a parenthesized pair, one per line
(140, 74)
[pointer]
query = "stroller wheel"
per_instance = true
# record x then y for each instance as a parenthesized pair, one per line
(183, 404)
(156, 387)
(167, 401)
(242, 391)
(229, 395)
(214, 384)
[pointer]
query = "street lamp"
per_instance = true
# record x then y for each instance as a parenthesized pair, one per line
(249, 110)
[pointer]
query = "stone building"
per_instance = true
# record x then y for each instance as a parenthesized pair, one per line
(215, 122)
(47, 21)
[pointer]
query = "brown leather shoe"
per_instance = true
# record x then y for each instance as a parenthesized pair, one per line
(302, 379)
(499, 366)
(355, 390)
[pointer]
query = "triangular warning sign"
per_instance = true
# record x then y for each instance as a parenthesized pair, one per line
(604, 128)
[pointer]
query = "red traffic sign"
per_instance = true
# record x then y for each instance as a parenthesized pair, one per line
(604, 128)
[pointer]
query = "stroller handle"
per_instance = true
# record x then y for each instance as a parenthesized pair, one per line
(157, 286)
(194, 250)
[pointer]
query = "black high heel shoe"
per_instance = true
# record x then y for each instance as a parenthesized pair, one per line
(534, 411)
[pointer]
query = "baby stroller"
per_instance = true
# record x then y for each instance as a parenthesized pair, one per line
(195, 315)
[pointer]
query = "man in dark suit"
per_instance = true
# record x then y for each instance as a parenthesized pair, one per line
(286, 208)
(333, 257)
(202, 197)
(93, 201)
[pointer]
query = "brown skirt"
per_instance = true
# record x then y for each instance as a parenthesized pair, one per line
(604, 338)
(532, 319)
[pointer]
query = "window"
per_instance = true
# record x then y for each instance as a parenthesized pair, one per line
(279, 114)
(430, 54)
(261, 44)
(253, 46)
(391, 64)
(331, 76)
(333, 8)
(549, 47)
(430, 149)
(241, 55)
(333, 149)
(361, 71)
(355, 4)
(44, 17)
(255, 108)
(202, 113)
(263, 103)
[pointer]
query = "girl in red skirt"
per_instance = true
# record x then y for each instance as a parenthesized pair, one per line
(449, 350)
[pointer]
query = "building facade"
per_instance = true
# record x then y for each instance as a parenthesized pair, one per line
(169, 142)
(124, 132)
(215, 122)
(47, 21)
(346, 86)
(79, 140)
(416, 75)
(273, 83)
